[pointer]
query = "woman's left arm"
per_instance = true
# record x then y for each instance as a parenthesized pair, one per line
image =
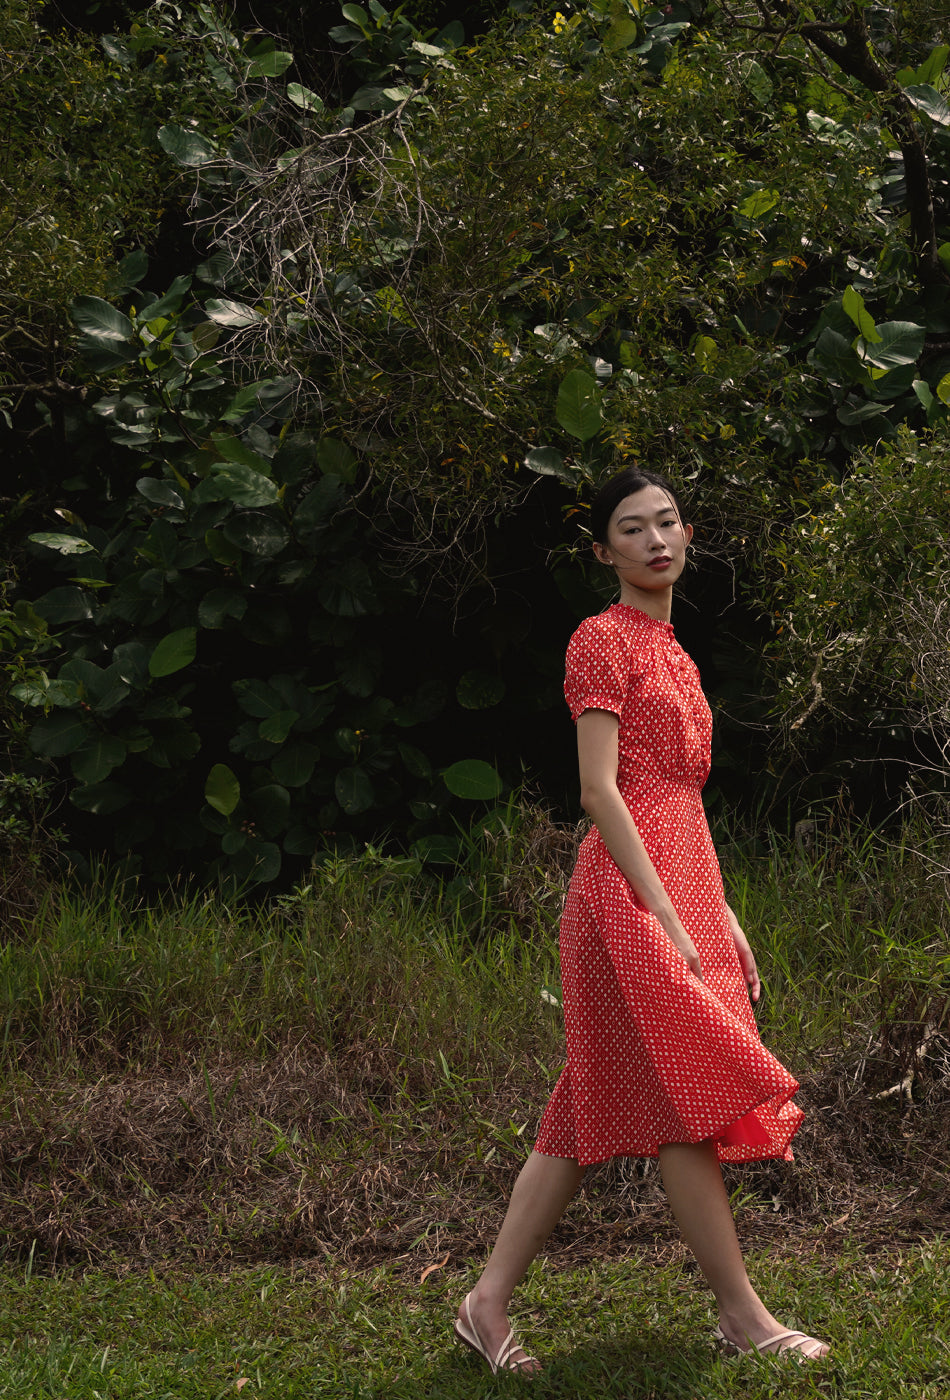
(746, 956)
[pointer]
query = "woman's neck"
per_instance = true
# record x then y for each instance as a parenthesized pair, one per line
(656, 603)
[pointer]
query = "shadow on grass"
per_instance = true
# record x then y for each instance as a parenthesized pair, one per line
(645, 1369)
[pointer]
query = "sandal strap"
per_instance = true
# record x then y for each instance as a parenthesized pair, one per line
(503, 1360)
(803, 1342)
(504, 1351)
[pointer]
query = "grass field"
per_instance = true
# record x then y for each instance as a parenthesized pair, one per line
(234, 1140)
(637, 1329)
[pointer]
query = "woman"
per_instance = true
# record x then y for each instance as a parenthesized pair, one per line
(663, 1055)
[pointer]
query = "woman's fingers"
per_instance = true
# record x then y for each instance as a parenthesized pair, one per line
(747, 963)
(685, 945)
(752, 977)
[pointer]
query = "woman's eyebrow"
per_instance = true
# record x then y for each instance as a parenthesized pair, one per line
(667, 510)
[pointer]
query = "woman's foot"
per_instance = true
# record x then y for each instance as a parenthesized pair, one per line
(486, 1331)
(760, 1332)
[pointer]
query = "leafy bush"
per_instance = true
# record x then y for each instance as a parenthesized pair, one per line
(863, 606)
(223, 681)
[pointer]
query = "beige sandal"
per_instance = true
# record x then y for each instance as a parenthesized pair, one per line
(467, 1333)
(797, 1346)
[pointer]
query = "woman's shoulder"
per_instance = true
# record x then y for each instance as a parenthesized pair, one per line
(615, 627)
(613, 639)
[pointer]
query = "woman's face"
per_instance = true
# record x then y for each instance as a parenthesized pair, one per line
(646, 542)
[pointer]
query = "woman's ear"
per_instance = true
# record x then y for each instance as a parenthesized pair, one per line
(601, 555)
(688, 533)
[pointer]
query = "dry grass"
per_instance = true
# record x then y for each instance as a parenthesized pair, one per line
(351, 1079)
(252, 1163)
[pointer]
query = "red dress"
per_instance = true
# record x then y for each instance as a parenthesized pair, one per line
(653, 1054)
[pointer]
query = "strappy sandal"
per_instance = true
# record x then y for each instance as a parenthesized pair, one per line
(796, 1346)
(467, 1333)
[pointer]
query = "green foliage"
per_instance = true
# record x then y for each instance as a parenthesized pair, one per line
(864, 597)
(79, 177)
(678, 236)
(221, 636)
(540, 264)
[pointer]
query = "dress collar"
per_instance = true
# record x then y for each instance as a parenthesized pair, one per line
(639, 616)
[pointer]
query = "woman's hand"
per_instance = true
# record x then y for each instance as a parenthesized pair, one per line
(684, 944)
(746, 956)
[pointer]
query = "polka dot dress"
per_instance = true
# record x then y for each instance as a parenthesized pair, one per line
(653, 1054)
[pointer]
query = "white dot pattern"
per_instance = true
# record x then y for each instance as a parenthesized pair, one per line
(653, 1054)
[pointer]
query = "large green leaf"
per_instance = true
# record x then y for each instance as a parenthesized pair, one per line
(358, 672)
(347, 591)
(277, 726)
(303, 97)
(927, 99)
(759, 203)
(319, 505)
(222, 789)
(64, 605)
(100, 320)
(837, 357)
(623, 32)
(131, 663)
(416, 761)
(358, 16)
(233, 481)
(258, 862)
(854, 411)
(174, 652)
(103, 688)
(354, 791)
(268, 61)
(58, 734)
(159, 493)
(259, 699)
(169, 304)
(220, 604)
(900, 343)
(293, 766)
(853, 305)
(578, 405)
(63, 544)
(547, 461)
(336, 459)
(474, 779)
(187, 147)
(231, 448)
(231, 313)
(97, 757)
(256, 533)
(101, 799)
(931, 68)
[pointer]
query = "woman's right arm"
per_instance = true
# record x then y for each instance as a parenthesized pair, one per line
(597, 732)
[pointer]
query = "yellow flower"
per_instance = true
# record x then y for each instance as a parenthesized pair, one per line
(560, 23)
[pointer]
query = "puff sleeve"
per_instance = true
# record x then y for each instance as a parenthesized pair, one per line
(599, 668)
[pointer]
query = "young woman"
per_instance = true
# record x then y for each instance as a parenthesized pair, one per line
(663, 1056)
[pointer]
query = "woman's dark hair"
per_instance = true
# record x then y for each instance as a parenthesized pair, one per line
(617, 489)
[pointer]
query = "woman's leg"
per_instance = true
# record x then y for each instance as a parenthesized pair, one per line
(697, 1195)
(539, 1199)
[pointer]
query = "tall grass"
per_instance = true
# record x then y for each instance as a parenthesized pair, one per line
(371, 951)
(103, 976)
(363, 1062)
